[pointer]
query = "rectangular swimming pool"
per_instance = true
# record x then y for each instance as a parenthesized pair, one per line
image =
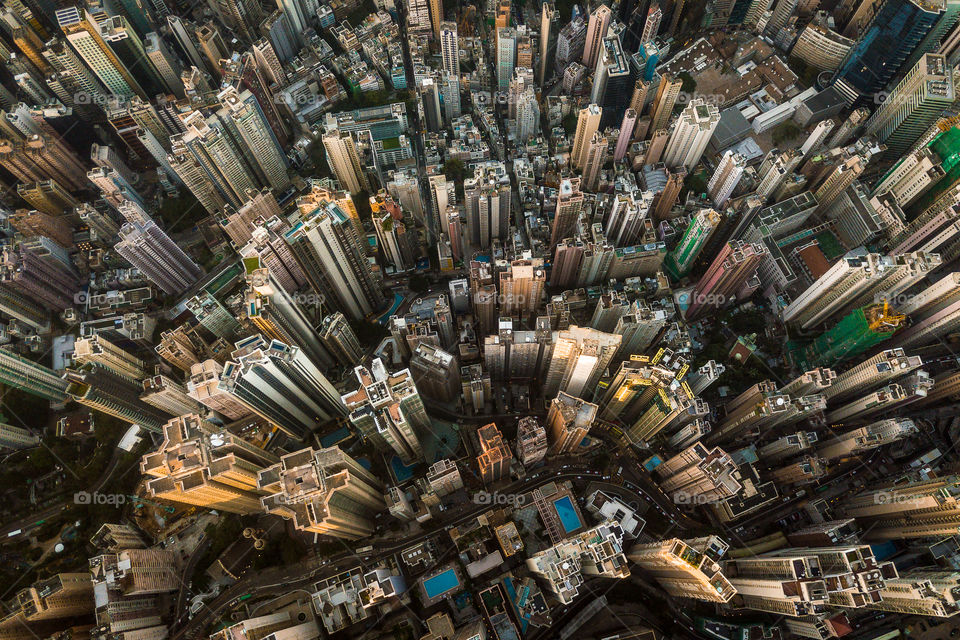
(568, 514)
(441, 583)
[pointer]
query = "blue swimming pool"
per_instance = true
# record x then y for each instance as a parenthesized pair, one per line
(568, 514)
(441, 583)
(400, 470)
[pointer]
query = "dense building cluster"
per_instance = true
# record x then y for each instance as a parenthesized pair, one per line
(457, 321)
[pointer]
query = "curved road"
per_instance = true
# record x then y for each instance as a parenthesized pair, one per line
(276, 580)
(27, 522)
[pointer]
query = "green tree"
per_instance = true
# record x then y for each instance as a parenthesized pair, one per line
(689, 84)
(454, 170)
(788, 130)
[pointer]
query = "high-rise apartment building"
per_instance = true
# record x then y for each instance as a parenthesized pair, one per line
(686, 569)
(147, 247)
(580, 356)
(596, 31)
(913, 105)
(169, 396)
(531, 441)
(495, 456)
(726, 177)
(680, 261)
(203, 385)
(204, 465)
(101, 351)
(595, 552)
(323, 491)
(436, 373)
(98, 387)
(691, 133)
(279, 383)
(326, 245)
(731, 276)
(82, 31)
(568, 421)
(387, 410)
(661, 109)
(588, 123)
(344, 160)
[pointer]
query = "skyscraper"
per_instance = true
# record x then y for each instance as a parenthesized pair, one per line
(244, 114)
(569, 204)
(325, 243)
(914, 104)
(698, 232)
(613, 82)
(487, 203)
(627, 126)
(549, 25)
(450, 48)
(579, 358)
(691, 133)
(275, 312)
(728, 278)
(99, 388)
(153, 252)
(82, 31)
(595, 552)
(323, 491)
(910, 509)
(588, 123)
(506, 56)
(726, 177)
(47, 283)
(98, 349)
(883, 47)
(495, 456)
(344, 160)
(203, 386)
(661, 109)
(568, 422)
(340, 340)
(595, 157)
(596, 31)
(387, 410)
(531, 441)
(31, 377)
(281, 384)
(204, 465)
(686, 569)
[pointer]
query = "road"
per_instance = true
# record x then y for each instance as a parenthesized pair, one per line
(188, 572)
(277, 580)
(28, 522)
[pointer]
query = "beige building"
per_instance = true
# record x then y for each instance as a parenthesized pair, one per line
(821, 47)
(686, 569)
(344, 160)
(588, 122)
(323, 491)
(568, 422)
(595, 552)
(207, 466)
